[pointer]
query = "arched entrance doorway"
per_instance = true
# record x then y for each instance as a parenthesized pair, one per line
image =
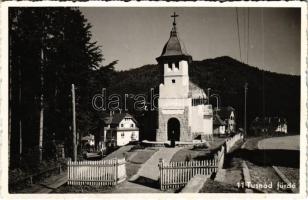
(173, 130)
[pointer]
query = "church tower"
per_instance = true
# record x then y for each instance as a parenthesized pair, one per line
(174, 101)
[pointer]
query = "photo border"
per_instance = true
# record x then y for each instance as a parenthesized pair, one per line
(4, 100)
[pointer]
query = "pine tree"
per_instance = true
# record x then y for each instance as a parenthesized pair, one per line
(52, 48)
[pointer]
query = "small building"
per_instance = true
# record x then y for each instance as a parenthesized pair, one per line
(281, 126)
(120, 129)
(219, 126)
(269, 125)
(88, 142)
(227, 114)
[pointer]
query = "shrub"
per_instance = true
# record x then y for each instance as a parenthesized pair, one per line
(188, 158)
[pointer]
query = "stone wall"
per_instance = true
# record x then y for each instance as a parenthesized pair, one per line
(185, 130)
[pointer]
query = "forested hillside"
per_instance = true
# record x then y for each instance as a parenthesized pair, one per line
(51, 48)
(275, 94)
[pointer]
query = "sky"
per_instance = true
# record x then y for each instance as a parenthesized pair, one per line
(136, 36)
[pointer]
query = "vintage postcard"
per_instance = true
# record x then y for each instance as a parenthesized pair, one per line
(153, 100)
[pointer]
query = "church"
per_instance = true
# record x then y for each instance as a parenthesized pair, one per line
(184, 112)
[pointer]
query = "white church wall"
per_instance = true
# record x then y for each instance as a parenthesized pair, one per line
(174, 103)
(208, 125)
(201, 119)
(182, 69)
(174, 90)
(197, 119)
(176, 81)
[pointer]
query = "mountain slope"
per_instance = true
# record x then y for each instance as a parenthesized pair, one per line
(275, 94)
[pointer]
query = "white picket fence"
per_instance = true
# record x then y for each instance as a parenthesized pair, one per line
(231, 141)
(102, 172)
(220, 158)
(174, 175)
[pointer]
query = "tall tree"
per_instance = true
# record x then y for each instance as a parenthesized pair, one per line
(52, 48)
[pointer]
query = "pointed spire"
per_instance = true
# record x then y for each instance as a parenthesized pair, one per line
(173, 31)
(174, 48)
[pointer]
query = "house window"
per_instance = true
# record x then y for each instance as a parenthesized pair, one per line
(122, 125)
(122, 135)
(133, 137)
(132, 125)
(173, 80)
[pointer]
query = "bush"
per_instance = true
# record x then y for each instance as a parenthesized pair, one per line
(188, 158)
(201, 146)
(137, 146)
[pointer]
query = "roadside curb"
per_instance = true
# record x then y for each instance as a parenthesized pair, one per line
(284, 178)
(246, 176)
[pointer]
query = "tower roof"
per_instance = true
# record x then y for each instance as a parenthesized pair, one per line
(174, 46)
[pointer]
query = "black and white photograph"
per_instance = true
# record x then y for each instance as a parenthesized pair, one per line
(156, 99)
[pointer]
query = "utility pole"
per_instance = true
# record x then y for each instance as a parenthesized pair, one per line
(74, 125)
(217, 102)
(245, 110)
(41, 130)
(208, 96)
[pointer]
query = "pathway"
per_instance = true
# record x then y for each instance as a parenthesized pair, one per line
(285, 142)
(47, 185)
(146, 179)
(150, 169)
(231, 174)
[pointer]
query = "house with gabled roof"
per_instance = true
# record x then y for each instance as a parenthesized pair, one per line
(227, 115)
(219, 126)
(120, 129)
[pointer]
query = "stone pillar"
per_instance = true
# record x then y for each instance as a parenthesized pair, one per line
(161, 134)
(185, 131)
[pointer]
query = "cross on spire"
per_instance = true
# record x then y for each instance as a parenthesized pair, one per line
(174, 16)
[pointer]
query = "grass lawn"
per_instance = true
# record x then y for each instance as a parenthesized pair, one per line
(217, 142)
(187, 154)
(191, 153)
(119, 153)
(141, 156)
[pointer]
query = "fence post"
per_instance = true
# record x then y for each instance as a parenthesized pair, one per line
(69, 170)
(115, 164)
(161, 170)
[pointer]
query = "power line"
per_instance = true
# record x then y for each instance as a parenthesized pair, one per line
(248, 40)
(238, 34)
(263, 84)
